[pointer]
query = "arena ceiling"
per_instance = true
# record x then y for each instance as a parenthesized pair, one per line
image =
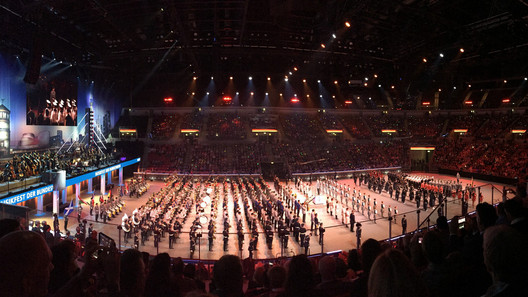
(133, 39)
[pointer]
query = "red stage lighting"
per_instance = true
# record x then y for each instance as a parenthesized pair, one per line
(506, 100)
(167, 99)
(348, 102)
(227, 98)
(294, 100)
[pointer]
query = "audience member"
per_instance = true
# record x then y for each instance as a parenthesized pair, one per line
(393, 275)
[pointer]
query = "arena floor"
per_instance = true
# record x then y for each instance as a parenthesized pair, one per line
(337, 236)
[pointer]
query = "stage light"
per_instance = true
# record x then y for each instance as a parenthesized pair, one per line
(286, 79)
(250, 78)
(333, 96)
(212, 78)
(335, 82)
(424, 60)
(392, 87)
(192, 93)
(365, 84)
(441, 55)
(506, 100)
(323, 46)
(347, 24)
(318, 81)
(320, 96)
(290, 73)
(334, 36)
(375, 75)
(461, 50)
(227, 98)
(526, 78)
(237, 93)
(252, 93)
(304, 80)
(307, 96)
(505, 81)
(266, 93)
(294, 100)
(167, 99)
(379, 86)
(231, 78)
(295, 95)
(295, 69)
(280, 94)
(348, 102)
(439, 90)
(454, 88)
(469, 86)
(194, 78)
(366, 78)
(269, 78)
(207, 93)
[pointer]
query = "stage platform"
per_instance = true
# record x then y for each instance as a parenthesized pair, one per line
(337, 236)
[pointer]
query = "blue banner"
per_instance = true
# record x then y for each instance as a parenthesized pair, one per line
(27, 195)
(49, 188)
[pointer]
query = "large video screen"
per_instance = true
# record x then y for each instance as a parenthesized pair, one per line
(52, 103)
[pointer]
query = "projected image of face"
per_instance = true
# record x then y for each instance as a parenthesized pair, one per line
(52, 103)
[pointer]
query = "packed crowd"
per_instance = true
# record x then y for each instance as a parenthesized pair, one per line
(426, 126)
(166, 157)
(226, 126)
(382, 122)
(498, 158)
(192, 120)
(163, 127)
(357, 127)
(302, 127)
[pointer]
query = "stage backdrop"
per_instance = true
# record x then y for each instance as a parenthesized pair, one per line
(31, 126)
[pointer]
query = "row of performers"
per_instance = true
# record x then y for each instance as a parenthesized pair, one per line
(106, 209)
(154, 218)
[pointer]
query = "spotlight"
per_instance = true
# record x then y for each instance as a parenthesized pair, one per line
(194, 78)
(192, 93)
(347, 24)
(231, 78)
(266, 93)
(307, 96)
(469, 86)
(304, 80)
(323, 46)
(454, 88)
(286, 78)
(212, 78)
(318, 81)
(295, 69)
(290, 73)
(439, 90)
(280, 94)
(250, 78)
(392, 87)
(252, 93)
(424, 60)
(441, 55)
(320, 96)
(207, 93)
(505, 81)
(237, 93)
(461, 50)
(334, 36)
(526, 78)
(269, 78)
(335, 82)
(365, 84)
(366, 78)
(375, 75)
